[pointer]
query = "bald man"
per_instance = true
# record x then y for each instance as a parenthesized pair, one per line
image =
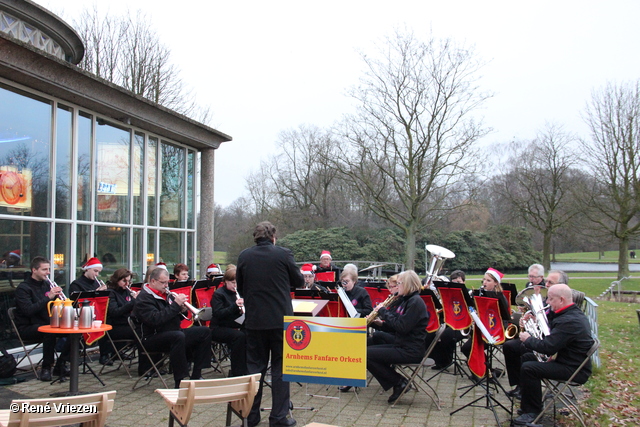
(570, 340)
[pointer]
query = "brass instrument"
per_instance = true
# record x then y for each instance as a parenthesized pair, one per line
(387, 302)
(438, 256)
(512, 331)
(198, 313)
(52, 285)
(538, 326)
(101, 283)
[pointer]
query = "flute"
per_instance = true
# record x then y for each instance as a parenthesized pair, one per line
(237, 298)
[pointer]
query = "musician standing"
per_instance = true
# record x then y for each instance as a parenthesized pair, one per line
(121, 301)
(408, 323)
(160, 316)
(266, 274)
(89, 280)
(32, 297)
(227, 307)
(570, 339)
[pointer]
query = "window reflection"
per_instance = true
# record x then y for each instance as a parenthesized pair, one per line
(85, 125)
(112, 174)
(172, 196)
(63, 162)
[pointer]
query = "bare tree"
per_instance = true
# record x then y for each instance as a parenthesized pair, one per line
(613, 156)
(410, 145)
(537, 183)
(127, 51)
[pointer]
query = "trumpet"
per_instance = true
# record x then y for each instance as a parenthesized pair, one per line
(101, 283)
(52, 285)
(198, 313)
(132, 293)
(374, 314)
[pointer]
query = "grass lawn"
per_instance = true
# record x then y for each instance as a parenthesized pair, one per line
(609, 256)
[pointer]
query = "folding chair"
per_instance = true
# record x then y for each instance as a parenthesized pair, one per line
(129, 349)
(556, 389)
(154, 365)
(27, 352)
(411, 370)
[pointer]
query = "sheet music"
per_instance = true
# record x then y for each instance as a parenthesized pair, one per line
(347, 302)
(240, 320)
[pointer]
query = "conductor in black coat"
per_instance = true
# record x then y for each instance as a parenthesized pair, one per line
(160, 318)
(408, 322)
(266, 275)
(227, 308)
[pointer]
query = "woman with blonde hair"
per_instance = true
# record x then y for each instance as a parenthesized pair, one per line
(408, 322)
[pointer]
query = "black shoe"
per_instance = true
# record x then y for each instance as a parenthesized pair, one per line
(45, 374)
(397, 391)
(287, 422)
(64, 372)
(344, 388)
(437, 367)
(106, 360)
(497, 373)
(516, 393)
(524, 419)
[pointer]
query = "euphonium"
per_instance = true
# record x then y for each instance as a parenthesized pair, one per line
(374, 314)
(538, 327)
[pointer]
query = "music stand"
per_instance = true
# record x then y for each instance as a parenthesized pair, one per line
(510, 290)
(90, 295)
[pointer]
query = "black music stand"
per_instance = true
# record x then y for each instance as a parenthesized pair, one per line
(76, 297)
(513, 291)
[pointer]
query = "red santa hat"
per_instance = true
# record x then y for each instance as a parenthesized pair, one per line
(495, 273)
(213, 268)
(325, 253)
(16, 253)
(162, 265)
(92, 263)
(307, 269)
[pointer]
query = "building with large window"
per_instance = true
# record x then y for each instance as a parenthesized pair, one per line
(89, 169)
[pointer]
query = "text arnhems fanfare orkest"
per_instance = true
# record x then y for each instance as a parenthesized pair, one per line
(326, 358)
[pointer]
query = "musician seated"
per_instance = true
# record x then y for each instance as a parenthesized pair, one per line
(227, 308)
(181, 272)
(121, 301)
(310, 283)
(379, 336)
(569, 339)
(88, 282)
(213, 272)
(32, 297)
(160, 315)
(492, 288)
(408, 323)
(358, 296)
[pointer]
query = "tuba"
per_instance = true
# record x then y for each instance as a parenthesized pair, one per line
(438, 256)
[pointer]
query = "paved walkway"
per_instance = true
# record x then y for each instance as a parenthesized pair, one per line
(368, 407)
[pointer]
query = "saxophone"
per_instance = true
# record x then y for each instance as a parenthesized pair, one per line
(374, 314)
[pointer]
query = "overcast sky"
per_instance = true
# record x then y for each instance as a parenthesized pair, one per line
(268, 66)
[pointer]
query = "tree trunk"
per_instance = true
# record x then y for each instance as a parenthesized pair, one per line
(546, 250)
(410, 247)
(623, 257)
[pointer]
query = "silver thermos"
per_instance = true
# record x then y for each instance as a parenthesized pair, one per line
(86, 315)
(67, 315)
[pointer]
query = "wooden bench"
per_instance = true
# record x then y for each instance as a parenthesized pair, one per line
(237, 392)
(98, 407)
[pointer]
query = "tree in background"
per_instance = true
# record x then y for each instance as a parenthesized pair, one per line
(410, 146)
(612, 201)
(536, 184)
(127, 51)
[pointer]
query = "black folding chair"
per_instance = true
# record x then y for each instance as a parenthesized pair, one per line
(23, 343)
(149, 373)
(128, 349)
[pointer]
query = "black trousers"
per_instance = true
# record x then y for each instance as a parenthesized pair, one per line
(236, 339)
(513, 351)
(30, 333)
(443, 351)
(531, 374)
(193, 342)
(119, 332)
(261, 344)
(380, 359)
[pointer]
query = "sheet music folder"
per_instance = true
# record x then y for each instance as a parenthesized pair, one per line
(308, 307)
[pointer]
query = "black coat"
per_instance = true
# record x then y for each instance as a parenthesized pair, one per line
(31, 303)
(266, 275)
(156, 314)
(409, 323)
(224, 308)
(360, 299)
(570, 338)
(120, 307)
(83, 284)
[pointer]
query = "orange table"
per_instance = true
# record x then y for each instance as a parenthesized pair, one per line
(74, 349)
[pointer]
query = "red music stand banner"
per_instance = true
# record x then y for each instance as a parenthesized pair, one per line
(185, 290)
(203, 299)
(377, 295)
(489, 313)
(456, 312)
(434, 319)
(477, 358)
(100, 306)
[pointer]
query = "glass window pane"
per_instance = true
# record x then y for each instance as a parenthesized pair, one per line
(64, 126)
(191, 161)
(171, 251)
(137, 172)
(172, 196)
(25, 141)
(151, 249)
(20, 242)
(112, 247)
(137, 265)
(112, 173)
(152, 155)
(85, 126)
(83, 249)
(62, 256)
(191, 256)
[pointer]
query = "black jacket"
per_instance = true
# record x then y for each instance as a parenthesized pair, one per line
(31, 303)
(120, 307)
(155, 314)
(266, 275)
(82, 284)
(409, 322)
(360, 299)
(570, 338)
(224, 309)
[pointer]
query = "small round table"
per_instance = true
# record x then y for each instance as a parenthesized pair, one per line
(74, 349)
